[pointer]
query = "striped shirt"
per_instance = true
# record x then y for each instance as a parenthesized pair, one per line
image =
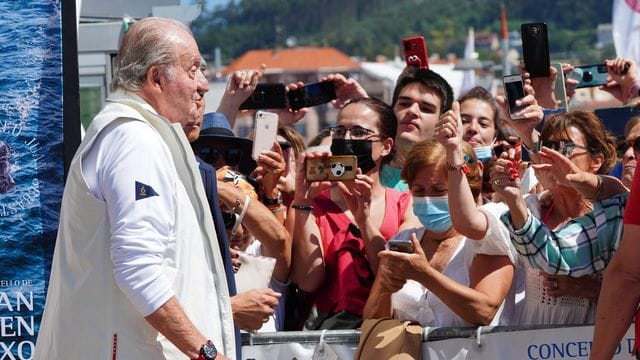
(583, 246)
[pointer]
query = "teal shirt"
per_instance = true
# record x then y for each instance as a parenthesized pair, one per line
(390, 177)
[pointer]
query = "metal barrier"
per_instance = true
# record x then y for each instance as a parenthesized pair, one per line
(486, 342)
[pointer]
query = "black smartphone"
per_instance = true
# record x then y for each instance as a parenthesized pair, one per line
(535, 49)
(311, 95)
(513, 90)
(591, 75)
(266, 96)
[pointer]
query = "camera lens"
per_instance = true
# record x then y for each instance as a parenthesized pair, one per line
(587, 76)
(533, 31)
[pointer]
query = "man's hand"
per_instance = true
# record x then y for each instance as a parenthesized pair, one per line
(251, 309)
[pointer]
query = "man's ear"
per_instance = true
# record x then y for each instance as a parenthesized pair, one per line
(153, 78)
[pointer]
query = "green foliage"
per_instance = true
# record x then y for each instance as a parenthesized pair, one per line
(367, 28)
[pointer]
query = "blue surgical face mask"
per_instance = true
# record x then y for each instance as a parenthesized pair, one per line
(433, 212)
(484, 153)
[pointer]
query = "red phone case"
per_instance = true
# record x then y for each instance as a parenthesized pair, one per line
(415, 52)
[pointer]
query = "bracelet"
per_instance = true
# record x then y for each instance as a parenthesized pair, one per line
(236, 205)
(278, 210)
(304, 207)
(272, 202)
(245, 207)
(463, 168)
(595, 196)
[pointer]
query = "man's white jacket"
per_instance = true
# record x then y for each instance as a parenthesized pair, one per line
(86, 313)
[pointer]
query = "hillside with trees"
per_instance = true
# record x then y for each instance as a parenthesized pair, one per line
(367, 28)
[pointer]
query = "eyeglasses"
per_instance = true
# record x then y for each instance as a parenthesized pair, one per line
(211, 155)
(624, 145)
(564, 147)
(356, 132)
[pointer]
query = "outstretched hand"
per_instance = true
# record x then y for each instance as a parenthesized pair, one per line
(449, 129)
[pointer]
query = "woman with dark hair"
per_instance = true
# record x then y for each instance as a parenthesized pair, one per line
(339, 228)
(443, 281)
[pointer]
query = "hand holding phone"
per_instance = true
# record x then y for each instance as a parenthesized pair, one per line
(332, 168)
(414, 49)
(514, 90)
(535, 49)
(265, 130)
(311, 95)
(401, 245)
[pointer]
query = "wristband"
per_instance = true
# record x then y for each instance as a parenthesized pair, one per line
(536, 147)
(272, 202)
(245, 207)
(463, 168)
(304, 207)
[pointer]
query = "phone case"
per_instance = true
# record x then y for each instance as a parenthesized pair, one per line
(513, 90)
(591, 75)
(266, 96)
(559, 90)
(264, 132)
(535, 49)
(332, 168)
(405, 246)
(312, 95)
(415, 52)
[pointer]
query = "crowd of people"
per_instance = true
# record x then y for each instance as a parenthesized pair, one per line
(173, 239)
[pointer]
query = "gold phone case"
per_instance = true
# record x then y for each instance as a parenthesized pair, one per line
(332, 168)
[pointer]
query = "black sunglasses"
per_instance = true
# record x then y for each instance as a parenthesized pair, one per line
(229, 219)
(624, 145)
(211, 155)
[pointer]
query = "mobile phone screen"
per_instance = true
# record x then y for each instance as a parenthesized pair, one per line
(266, 96)
(312, 95)
(514, 90)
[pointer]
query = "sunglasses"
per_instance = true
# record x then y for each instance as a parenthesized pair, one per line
(229, 219)
(284, 145)
(564, 147)
(211, 155)
(624, 145)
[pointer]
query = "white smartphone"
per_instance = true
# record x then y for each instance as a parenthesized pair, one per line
(559, 90)
(265, 130)
(513, 90)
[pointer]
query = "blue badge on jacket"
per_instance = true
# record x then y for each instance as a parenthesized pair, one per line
(144, 191)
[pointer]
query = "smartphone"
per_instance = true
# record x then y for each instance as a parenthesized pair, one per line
(559, 91)
(415, 52)
(311, 95)
(266, 96)
(332, 168)
(265, 129)
(513, 90)
(591, 75)
(401, 245)
(535, 49)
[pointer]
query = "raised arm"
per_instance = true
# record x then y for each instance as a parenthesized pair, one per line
(239, 87)
(465, 216)
(308, 269)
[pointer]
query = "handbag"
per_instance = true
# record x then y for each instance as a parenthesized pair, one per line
(389, 339)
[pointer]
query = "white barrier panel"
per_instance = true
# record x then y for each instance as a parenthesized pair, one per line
(536, 344)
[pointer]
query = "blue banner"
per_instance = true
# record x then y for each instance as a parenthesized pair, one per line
(31, 164)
